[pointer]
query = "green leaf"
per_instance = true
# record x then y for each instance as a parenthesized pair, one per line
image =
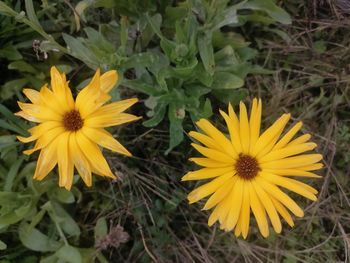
(63, 195)
(226, 80)
(16, 124)
(22, 66)
(14, 207)
(3, 246)
(69, 254)
(36, 240)
(10, 52)
(176, 116)
(31, 13)
(80, 51)
(270, 8)
(12, 173)
(158, 115)
(142, 86)
(231, 96)
(101, 229)
(61, 217)
(206, 52)
(12, 87)
(6, 10)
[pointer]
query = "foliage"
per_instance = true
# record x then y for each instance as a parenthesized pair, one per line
(184, 59)
(179, 56)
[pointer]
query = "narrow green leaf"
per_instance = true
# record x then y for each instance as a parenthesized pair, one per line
(10, 52)
(22, 66)
(31, 13)
(176, 116)
(270, 8)
(12, 173)
(6, 10)
(206, 52)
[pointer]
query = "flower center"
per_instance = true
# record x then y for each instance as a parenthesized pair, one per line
(247, 167)
(72, 121)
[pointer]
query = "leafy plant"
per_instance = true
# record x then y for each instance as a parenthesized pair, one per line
(181, 57)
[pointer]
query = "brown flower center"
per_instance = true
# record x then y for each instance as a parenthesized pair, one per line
(72, 121)
(247, 167)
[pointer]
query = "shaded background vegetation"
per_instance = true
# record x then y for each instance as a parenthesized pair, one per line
(184, 60)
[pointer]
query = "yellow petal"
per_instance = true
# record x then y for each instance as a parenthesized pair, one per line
(287, 151)
(213, 154)
(57, 82)
(311, 167)
(114, 108)
(108, 80)
(40, 113)
(244, 127)
(274, 191)
(225, 206)
(282, 211)
(258, 211)
(235, 205)
(28, 117)
(70, 175)
(217, 136)
(79, 160)
(39, 130)
(244, 217)
(33, 95)
(208, 188)
(233, 128)
(86, 99)
(220, 194)
(254, 123)
(63, 160)
(60, 89)
(47, 160)
(219, 211)
(93, 155)
(289, 184)
(292, 162)
(107, 120)
(206, 173)
(52, 101)
(306, 187)
(105, 139)
(292, 172)
(270, 134)
(46, 139)
(288, 136)
(209, 163)
(300, 139)
(204, 139)
(238, 228)
(269, 207)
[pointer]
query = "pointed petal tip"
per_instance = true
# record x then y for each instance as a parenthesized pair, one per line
(68, 187)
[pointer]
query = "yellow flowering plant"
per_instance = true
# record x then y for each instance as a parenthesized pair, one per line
(70, 132)
(248, 168)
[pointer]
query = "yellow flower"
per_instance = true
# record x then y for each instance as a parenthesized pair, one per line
(70, 131)
(249, 170)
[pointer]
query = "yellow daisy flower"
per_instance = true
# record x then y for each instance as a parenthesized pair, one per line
(249, 168)
(70, 131)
